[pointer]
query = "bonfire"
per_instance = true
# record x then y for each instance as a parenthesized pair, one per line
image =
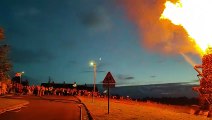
(194, 17)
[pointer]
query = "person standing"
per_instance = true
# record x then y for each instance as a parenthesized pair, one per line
(74, 88)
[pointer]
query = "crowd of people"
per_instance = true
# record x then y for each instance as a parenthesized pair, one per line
(19, 89)
(3, 88)
(39, 90)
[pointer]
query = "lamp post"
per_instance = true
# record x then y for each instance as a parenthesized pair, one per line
(93, 63)
(21, 73)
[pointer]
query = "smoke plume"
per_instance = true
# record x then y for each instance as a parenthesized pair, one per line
(157, 35)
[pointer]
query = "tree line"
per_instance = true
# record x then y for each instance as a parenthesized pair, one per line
(5, 64)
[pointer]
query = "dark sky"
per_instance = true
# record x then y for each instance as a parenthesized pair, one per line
(58, 38)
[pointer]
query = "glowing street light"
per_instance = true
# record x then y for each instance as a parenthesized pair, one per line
(93, 63)
(21, 73)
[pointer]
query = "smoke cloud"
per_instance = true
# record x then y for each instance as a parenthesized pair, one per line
(157, 35)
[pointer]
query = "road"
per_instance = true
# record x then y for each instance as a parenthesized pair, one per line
(47, 108)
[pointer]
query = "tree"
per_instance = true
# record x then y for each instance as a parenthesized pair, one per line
(5, 65)
(1, 34)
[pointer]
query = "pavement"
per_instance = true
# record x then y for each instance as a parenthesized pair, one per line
(12, 102)
(8, 104)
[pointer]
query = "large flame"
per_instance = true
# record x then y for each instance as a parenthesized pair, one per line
(195, 17)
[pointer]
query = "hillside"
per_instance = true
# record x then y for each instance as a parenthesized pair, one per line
(154, 90)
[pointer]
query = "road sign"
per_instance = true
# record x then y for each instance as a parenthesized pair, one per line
(109, 78)
(109, 81)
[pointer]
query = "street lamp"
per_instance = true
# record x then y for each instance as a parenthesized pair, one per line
(93, 63)
(21, 73)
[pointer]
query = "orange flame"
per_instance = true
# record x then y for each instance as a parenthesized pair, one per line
(160, 36)
(194, 16)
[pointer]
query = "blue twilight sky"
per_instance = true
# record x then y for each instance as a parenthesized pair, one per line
(58, 38)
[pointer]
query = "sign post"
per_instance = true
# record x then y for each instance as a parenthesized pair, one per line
(108, 95)
(107, 83)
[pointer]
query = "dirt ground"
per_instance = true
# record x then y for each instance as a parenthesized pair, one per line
(132, 110)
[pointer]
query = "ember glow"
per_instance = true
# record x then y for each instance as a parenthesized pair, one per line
(194, 16)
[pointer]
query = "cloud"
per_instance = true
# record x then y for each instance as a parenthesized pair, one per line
(97, 18)
(129, 78)
(124, 77)
(26, 56)
(153, 76)
(91, 19)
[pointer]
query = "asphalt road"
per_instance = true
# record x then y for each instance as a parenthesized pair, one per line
(47, 108)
